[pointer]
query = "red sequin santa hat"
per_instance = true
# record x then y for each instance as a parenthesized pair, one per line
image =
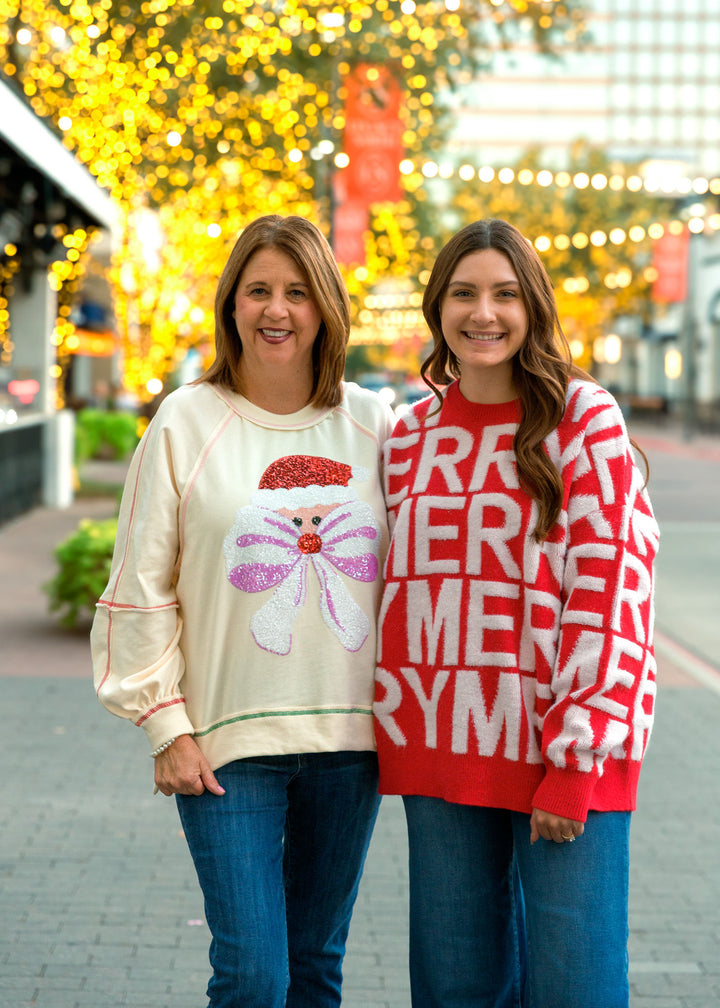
(304, 480)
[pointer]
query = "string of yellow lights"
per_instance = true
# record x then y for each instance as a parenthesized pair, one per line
(656, 181)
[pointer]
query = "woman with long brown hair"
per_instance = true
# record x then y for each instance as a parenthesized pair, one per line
(515, 679)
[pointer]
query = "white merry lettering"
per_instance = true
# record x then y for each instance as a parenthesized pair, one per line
(428, 704)
(446, 463)
(385, 708)
(513, 705)
(488, 454)
(427, 622)
(495, 537)
(475, 651)
(430, 533)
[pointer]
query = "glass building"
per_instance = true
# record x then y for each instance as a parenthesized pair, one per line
(644, 85)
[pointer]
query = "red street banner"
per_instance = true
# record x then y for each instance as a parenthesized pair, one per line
(373, 145)
(373, 134)
(670, 259)
(351, 220)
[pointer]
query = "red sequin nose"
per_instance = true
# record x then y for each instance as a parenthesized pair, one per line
(309, 543)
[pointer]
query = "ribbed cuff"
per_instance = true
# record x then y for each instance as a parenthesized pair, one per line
(566, 793)
(167, 720)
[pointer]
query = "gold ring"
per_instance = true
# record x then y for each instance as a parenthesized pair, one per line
(571, 837)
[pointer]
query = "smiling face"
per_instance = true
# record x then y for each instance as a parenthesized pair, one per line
(484, 323)
(277, 321)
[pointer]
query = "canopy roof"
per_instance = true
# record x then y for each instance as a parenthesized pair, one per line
(28, 136)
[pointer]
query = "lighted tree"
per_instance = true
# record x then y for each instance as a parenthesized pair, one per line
(219, 109)
(590, 228)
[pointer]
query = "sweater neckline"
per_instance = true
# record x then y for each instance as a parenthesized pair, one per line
(308, 416)
(485, 413)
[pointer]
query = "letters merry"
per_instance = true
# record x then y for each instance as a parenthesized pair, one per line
(499, 714)
(444, 451)
(489, 722)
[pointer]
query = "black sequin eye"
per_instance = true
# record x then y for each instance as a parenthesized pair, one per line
(316, 519)
(297, 521)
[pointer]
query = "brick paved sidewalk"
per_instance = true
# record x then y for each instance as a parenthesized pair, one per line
(101, 909)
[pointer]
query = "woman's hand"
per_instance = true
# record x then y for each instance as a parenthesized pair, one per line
(182, 769)
(553, 827)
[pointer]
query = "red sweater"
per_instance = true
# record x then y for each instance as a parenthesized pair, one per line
(511, 673)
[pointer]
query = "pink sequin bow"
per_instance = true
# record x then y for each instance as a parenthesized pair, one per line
(267, 550)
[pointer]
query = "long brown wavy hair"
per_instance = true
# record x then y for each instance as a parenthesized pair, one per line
(305, 244)
(542, 367)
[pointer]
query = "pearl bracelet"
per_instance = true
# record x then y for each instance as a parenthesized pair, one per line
(161, 748)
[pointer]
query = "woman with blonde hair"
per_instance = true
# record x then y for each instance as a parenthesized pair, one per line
(238, 626)
(516, 677)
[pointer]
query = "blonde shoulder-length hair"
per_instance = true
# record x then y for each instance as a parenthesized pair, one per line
(305, 244)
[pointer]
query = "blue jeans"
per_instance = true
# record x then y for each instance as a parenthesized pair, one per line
(498, 923)
(279, 858)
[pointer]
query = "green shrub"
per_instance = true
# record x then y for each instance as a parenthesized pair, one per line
(99, 432)
(84, 568)
(86, 441)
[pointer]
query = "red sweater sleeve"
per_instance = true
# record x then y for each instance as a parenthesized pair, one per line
(602, 689)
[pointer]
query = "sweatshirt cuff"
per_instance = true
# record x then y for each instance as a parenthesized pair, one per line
(166, 720)
(566, 793)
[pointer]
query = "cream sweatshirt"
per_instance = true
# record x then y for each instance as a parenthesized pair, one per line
(246, 577)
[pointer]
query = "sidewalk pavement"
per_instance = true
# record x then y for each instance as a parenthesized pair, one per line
(98, 897)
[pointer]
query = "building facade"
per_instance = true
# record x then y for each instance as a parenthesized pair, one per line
(44, 191)
(645, 85)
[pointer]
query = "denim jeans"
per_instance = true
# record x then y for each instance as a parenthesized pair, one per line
(498, 923)
(279, 858)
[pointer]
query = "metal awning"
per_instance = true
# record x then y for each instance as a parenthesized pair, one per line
(28, 135)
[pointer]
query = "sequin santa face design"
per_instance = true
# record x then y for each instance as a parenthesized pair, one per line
(304, 516)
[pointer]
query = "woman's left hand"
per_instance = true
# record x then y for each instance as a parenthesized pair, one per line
(182, 769)
(553, 827)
